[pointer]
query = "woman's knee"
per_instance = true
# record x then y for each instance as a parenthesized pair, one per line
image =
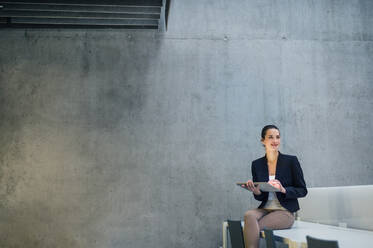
(250, 215)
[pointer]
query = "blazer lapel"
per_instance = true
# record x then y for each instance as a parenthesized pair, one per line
(265, 167)
(279, 165)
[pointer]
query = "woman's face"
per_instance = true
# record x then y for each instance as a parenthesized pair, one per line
(271, 140)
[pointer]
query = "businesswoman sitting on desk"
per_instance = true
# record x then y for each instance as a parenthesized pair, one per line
(284, 172)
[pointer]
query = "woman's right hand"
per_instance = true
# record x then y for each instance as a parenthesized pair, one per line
(255, 189)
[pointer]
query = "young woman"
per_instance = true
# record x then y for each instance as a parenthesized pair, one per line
(276, 210)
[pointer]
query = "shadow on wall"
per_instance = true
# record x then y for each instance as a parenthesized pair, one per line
(61, 94)
(27, 227)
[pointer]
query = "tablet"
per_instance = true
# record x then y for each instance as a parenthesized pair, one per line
(263, 186)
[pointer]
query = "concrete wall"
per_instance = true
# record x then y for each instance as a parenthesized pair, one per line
(136, 138)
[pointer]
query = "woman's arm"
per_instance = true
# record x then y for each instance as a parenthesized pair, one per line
(263, 196)
(298, 189)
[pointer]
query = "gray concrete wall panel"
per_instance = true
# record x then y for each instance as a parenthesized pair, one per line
(115, 138)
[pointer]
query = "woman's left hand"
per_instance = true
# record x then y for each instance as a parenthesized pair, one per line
(277, 184)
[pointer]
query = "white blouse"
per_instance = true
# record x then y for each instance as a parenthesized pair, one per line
(273, 203)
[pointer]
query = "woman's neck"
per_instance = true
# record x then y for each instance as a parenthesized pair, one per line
(272, 156)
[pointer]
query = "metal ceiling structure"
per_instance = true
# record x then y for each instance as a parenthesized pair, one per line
(125, 14)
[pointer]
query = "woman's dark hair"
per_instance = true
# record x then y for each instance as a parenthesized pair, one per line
(265, 128)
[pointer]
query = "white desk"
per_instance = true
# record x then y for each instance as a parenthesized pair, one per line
(347, 237)
(296, 236)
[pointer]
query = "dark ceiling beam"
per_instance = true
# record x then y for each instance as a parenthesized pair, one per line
(85, 21)
(75, 26)
(57, 14)
(144, 3)
(83, 8)
(127, 14)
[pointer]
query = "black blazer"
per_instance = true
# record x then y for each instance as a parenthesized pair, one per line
(289, 173)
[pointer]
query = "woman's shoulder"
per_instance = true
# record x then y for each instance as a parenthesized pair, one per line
(289, 159)
(287, 156)
(259, 160)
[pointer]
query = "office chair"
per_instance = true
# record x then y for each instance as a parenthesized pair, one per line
(321, 243)
(236, 235)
